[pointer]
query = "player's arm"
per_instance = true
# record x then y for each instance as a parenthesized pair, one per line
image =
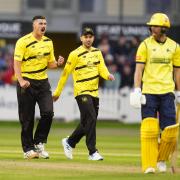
(177, 81)
(18, 56)
(138, 75)
(70, 64)
(177, 78)
(103, 71)
(176, 64)
(141, 57)
(55, 64)
(52, 63)
(136, 97)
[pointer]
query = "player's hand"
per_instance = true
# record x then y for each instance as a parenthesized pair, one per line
(136, 98)
(60, 61)
(55, 98)
(111, 77)
(177, 94)
(24, 83)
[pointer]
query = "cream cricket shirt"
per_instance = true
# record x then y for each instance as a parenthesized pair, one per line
(159, 59)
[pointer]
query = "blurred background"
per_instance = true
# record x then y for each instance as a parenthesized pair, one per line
(119, 26)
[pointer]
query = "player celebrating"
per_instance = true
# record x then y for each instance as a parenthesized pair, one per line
(34, 53)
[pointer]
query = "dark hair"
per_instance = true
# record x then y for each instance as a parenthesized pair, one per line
(38, 17)
(87, 30)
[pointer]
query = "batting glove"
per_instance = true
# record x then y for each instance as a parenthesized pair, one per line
(177, 94)
(136, 98)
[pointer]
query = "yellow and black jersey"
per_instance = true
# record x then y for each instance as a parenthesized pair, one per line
(159, 60)
(86, 67)
(34, 56)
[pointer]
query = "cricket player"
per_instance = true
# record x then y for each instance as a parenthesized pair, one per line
(34, 53)
(86, 64)
(157, 65)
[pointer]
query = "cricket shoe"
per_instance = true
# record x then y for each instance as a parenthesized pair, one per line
(40, 149)
(67, 148)
(149, 170)
(161, 166)
(95, 157)
(31, 154)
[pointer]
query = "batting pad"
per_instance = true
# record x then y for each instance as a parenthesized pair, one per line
(149, 142)
(168, 142)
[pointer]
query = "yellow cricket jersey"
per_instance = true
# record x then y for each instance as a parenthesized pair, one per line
(86, 66)
(159, 59)
(34, 56)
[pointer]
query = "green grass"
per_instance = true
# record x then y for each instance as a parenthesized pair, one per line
(117, 142)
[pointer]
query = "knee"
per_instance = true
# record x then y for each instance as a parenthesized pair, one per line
(48, 114)
(149, 128)
(170, 133)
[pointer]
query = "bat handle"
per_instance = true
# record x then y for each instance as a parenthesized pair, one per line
(173, 169)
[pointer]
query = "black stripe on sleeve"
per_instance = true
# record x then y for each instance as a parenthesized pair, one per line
(137, 62)
(88, 79)
(47, 40)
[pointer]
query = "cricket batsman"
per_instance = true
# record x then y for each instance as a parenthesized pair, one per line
(157, 77)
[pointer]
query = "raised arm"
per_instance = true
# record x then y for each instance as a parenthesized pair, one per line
(69, 67)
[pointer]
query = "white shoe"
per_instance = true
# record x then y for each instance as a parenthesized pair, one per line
(31, 155)
(149, 170)
(67, 148)
(161, 165)
(95, 157)
(41, 151)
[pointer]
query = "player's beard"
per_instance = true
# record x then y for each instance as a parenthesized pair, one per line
(88, 44)
(156, 35)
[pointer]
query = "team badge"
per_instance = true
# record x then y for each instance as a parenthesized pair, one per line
(84, 99)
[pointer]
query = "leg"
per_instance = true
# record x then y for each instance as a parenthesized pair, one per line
(169, 127)
(149, 133)
(76, 136)
(96, 108)
(167, 112)
(168, 142)
(45, 102)
(87, 124)
(149, 143)
(26, 108)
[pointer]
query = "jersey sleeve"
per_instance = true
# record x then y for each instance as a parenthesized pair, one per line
(19, 50)
(141, 55)
(51, 57)
(69, 67)
(176, 57)
(103, 71)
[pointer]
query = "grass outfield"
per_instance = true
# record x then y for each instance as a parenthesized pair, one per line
(118, 143)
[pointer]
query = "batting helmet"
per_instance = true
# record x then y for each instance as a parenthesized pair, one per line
(159, 19)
